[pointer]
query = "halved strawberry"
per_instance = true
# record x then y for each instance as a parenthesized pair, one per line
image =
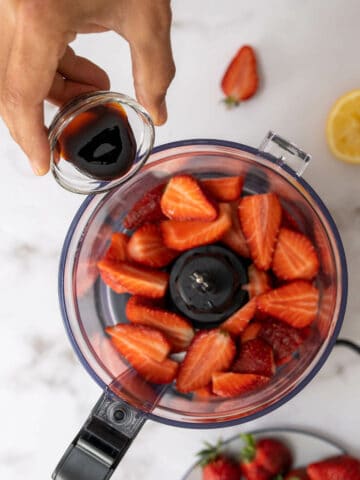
(256, 356)
(135, 279)
(260, 217)
(183, 199)
(147, 209)
(210, 351)
(342, 467)
(295, 303)
(224, 189)
(117, 251)
(284, 339)
(231, 384)
(259, 282)
(137, 338)
(234, 237)
(294, 256)
(111, 281)
(146, 246)
(151, 370)
(240, 319)
(188, 234)
(139, 345)
(204, 393)
(297, 474)
(176, 329)
(240, 80)
(250, 332)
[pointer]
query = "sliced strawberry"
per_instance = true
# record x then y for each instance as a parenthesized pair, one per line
(183, 199)
(210, 351)
(260, 217)
(240, 80)
(117, 251)
(110, 279)
(146, 246)
(342, 467)
(294, 256)
(295, 303)
(298, 474)
(256, 356)
(259, 282)
(147, 209)
(234, 237)
(250, 332)
(224, 189)
(204, 393)
(176, 329)
(137, 338)
(273, 455)
(284, 339)
(231, 384)
(151, 370)
(135, 279)
(240, 319)
(188, 234)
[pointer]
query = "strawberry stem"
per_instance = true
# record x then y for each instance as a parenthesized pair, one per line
(231, 102)
(210, 453)
(249, 450)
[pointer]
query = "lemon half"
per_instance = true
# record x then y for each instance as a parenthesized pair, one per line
(343, 127)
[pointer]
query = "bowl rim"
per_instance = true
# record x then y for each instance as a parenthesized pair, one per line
(331, 342)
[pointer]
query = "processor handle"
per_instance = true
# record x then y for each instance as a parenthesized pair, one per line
(285, 152)
(102, 441)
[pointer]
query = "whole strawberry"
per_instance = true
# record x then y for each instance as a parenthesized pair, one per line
(265, 458)
(216, 466)
(342, 467)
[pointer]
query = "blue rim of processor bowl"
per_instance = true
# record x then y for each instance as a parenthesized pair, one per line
(316, 368)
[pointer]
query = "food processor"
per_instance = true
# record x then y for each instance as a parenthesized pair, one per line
(88, 306)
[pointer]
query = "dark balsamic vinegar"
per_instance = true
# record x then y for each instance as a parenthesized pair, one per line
(100, 142)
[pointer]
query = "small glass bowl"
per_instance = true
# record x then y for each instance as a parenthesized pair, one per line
(71, 177)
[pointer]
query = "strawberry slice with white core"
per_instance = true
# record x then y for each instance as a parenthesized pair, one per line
(260, 217)
(146, 246)
(135, 279)
(295, 303)
(224, 189)
(239, 320)
(189, 234)
(176, 329)
(138, 338)
(210, 351)
(234, 237)
(294, 257)
(231, 384)
(259, 282)
(183, 199)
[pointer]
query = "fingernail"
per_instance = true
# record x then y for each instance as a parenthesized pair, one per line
(39, 171)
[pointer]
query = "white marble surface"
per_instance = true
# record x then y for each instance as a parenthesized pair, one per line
(308, 52)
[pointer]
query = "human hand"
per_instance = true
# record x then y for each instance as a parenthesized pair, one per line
(36, 62)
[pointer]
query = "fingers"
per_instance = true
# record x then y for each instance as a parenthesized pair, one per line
(75, 76)
(31, 68)
(153, 70)
(153, 64)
